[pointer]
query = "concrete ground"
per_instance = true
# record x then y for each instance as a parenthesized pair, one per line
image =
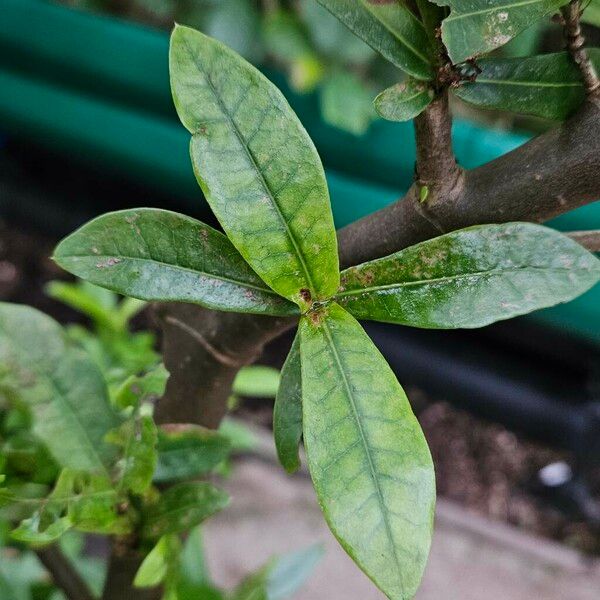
(472, 558)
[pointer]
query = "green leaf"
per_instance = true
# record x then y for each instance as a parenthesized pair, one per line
(161, 561)
(33, 531)
(187, 451)
(159, 255)
(591, 14)
(332, 38)
(471, 277)
(288, 573)
(346, 103)
(95, 302)
(82, 500)
(547, 86)
(137, 389)
(287, 414)
(137, 438)
(237, 24)
(62, 388)
(391, 29)
(404, 101)
(367, 456)
(284, 36)
(257, 167)
(475, 27)
(256, 381)
(182, 507)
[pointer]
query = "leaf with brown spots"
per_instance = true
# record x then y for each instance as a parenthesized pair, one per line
(159, 255)
(470, 277)
(475, 27)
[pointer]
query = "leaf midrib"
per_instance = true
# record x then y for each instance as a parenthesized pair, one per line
(491, 272)
(258, 172)
(424, 58)
(516, 82)
(206, 274)
(366, 446)
(456, 17)
(82, 428)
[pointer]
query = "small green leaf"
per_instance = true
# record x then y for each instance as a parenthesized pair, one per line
(404, 101)
(391, 29)
(257, 167)
(159, 255)
(256, 381)
(591, 13)
(471, 277)
(475, 27)
(547, 86)
(81, 500)
(33, 531)
(60, 385)
(332, 38)
(288, 573)
(284, 36)
(346, 103)
(187, 451)
(366, 453)
(97, 303)
(137, 438)
(182, 507)
(287, 414)
(161, 561)
(141, 388)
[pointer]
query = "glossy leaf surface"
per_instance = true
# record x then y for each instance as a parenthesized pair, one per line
(403, 101)
(547, 86)
(287, 413)
(181, 507)
(391, 29)
(186, 451)
(366, 453)
(256, 165)
(475, 27)
(60, 385)
(471, 277)
(159, 255)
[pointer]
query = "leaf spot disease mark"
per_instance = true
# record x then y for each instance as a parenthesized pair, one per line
(109, 262)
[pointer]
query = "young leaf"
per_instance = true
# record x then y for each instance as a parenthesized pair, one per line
(160, 255)
(257, 167)
(62, 388)
(475, 27)
(591, 13)
(256, 381)
(187, 451)
(161, 561)
(287, 413)
(289, 572)
(97, 303)
(367, 456)
(346, 102)
(137, 439)
(33, 531)
(547, 86)
(181, 507)
(137, 389)
(403, 101)
(470, 277)
(391, 29)
(87, 502)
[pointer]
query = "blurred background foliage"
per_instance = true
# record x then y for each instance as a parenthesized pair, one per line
(318, 53)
